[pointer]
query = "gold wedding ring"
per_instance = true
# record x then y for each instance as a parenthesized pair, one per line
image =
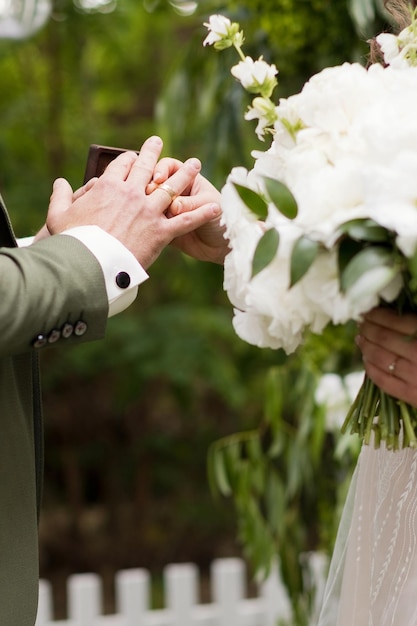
(169, 190)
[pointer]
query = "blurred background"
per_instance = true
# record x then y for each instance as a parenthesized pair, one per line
(129, 420)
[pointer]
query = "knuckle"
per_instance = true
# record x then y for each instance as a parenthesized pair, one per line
(188, 219)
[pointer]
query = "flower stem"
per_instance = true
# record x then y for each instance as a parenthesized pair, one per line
(374, 411)
(351, 417)
(409, 434)
(239, 51)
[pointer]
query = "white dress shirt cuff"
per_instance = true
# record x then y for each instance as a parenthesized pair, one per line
(22, 242)
(122, 272)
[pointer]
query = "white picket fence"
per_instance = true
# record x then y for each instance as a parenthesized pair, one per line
(229, 604)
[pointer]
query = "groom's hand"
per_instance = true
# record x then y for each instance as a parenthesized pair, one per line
(117, 203)
(44, 232)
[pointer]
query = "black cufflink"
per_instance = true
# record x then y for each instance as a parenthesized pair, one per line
(40, 341)
(123, 280)
(80, 328)
(67, 330)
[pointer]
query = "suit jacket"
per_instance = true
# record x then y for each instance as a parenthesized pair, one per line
(50, 293)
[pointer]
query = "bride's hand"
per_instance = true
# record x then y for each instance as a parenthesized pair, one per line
(388, 342)
(207, 243)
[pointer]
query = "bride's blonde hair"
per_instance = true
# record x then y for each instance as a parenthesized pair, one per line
(401, 12)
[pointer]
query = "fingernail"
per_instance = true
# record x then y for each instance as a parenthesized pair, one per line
(194, 163)
(155, 139)
(157, 177)
(216, 209)
(177, 207)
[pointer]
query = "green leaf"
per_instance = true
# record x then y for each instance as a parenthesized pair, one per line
(365, 230)
(254, 201)
(372, 282)
(297, 462)
(363, 13)
(318, 433)
(265, 250)
(281, 197)
(232, 461)
(369, 258)
(257, 463)
(275, 393)
(244, 481)
(347, 250)
(303, 255)
(217, 471)
(412, 264)
(254, 448)
(275, 503)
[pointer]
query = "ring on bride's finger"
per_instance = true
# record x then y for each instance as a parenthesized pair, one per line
(169, 190)
(392, 366)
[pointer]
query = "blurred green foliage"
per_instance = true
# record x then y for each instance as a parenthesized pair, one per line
(288, 476)
(129, 420)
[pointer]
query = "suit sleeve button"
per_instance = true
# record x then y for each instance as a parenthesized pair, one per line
(67, 330)
(54, 335)
(40, 341)
(80, 328)
(123, 280)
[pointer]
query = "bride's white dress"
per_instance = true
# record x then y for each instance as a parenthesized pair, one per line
(373, 572)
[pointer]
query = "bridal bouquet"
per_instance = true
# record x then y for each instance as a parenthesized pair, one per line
(324, 227)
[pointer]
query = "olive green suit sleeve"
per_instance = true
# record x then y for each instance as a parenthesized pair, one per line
(52, 284)
(43, 287)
